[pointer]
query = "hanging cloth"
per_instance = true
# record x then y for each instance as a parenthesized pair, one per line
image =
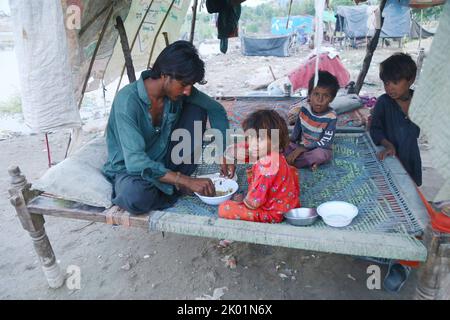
(227, 21)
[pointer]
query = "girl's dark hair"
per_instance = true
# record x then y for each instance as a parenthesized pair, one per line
(181, 61)
(326, 80)
(269, 120)
(398, 66)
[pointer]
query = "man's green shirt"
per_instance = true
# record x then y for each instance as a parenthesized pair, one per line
(135, 146)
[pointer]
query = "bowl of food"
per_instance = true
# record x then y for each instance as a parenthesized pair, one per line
(225, 189)
(301, 216)
(337, 213)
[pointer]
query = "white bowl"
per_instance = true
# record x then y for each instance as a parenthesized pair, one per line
(221, 184)
(337, 213)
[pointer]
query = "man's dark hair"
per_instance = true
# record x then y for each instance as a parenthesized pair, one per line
(180, 61)
(268, 120)
(398, 66)
(326, 80)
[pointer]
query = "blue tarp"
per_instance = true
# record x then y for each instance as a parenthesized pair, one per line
(355, 21)
(397, 19)
(296, 23)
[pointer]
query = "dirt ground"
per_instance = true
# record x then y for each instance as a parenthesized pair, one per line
(121, 263)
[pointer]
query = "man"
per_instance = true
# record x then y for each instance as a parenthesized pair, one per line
(143, 116)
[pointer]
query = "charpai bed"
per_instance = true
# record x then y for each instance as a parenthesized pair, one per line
(390, 219)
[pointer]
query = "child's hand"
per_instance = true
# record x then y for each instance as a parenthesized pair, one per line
(238, 197)
(389, 151)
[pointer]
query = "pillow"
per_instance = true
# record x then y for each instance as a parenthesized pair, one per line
(79, 177)
(346, 103)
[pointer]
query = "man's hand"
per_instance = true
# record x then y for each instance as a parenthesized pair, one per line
(389, 150)
(295, 154)
(203, 186)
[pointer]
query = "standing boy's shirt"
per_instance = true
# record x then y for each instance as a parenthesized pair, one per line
(314, 130)
(390, 123)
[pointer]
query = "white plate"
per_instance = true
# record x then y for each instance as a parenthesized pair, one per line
(337, 213)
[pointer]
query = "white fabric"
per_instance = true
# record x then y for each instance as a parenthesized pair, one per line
(48, 100)
(430, 107)
(79, 178)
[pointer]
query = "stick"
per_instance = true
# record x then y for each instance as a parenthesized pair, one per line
(126, 49)
(369, 53)
(94, 55)
(134, 41)
(194, 18)
(157, 34)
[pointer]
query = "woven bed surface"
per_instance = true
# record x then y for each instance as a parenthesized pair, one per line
(354, 175)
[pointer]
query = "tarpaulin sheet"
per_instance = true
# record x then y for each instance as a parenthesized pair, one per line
(268, 46)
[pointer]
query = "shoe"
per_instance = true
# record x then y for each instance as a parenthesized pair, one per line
(396, 277)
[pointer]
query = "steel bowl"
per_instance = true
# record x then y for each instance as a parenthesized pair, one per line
(301, 216)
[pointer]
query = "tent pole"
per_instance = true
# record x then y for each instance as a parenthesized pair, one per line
(126, 49)
(420, 29)
(134, 42)
(194, 18)
(49, 156)
(157, 33)
(370, 50)
(94, 55)
(289, 15)
(86, 26)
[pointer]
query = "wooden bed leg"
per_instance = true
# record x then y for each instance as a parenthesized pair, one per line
(34, 224)
(434, 274)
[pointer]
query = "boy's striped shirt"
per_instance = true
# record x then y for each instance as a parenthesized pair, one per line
(315, 130)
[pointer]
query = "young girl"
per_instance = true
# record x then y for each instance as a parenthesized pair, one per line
(273, 185)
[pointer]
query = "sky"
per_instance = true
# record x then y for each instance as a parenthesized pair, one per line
(4, 6)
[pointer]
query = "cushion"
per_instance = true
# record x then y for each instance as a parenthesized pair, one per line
(79, 177)
(346, 103)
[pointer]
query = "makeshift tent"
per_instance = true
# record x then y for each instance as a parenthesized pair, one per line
(296, 23)
(360, 21)
(397, 19)
(81, 37)
(277, 46)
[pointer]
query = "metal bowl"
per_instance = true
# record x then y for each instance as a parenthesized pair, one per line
(301, 216)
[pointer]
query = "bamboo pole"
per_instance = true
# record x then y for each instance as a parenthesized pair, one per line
(94, 55)
(134, 42)
(126, 49)
(194, 18)
(157, 33)
(370, 50)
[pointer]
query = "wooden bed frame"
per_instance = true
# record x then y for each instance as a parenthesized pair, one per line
(31, 207)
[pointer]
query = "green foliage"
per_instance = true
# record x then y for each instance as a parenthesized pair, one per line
(12, 105)
(429, 14)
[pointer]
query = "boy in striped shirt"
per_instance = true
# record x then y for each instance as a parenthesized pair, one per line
(312, 138)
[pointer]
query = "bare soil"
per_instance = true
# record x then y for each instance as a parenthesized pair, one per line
(121, 263)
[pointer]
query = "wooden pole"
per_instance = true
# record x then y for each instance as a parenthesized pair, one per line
(20, 194)
(194, 18)
(157, 33)
(94, 55)
(134, 42)
(126, 49)
(434, 274)
(370, 50)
